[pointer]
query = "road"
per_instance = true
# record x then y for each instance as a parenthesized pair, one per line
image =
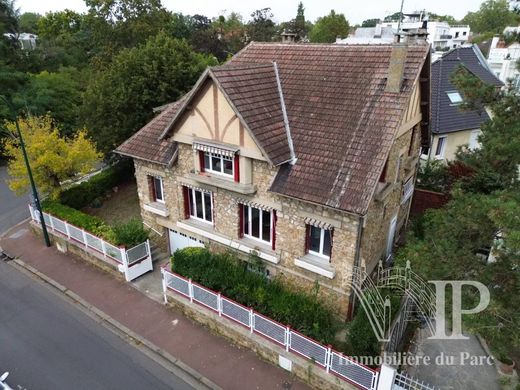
(13, 209)
(48, 343)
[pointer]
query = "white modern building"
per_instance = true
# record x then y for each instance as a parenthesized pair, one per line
(27, 40)
(503, 60)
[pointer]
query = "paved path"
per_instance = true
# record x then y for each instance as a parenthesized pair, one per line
(216, 359)
(13, 209)
(47, 343)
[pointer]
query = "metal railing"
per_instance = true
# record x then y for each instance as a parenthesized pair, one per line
(403, 382)
(332, 361)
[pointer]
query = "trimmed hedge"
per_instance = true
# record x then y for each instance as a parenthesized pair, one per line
(128, 234)
(84, 194)
(225, 273)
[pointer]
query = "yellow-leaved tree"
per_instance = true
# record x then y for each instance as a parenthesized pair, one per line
(53, 159)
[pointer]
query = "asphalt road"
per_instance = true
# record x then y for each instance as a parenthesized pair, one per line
(47, 343)
(13, 209)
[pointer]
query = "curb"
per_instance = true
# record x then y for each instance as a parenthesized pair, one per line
(160, 356)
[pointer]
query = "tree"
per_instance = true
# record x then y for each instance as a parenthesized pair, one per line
(328, 28)
(300, 28)
(29, 22)
(393, 17)
(53, 159)
(442, 18)
(370, 22)
(492, 17)
(119, 100)
(261, 28)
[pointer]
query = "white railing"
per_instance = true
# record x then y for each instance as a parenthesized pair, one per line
(132, 262)
(407, 190)
(333, 362)
(403, 382)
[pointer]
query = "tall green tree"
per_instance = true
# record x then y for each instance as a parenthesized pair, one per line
(328, 28)
(29, 22)
(300, 28)
(370, 22)
(492, 17)
(119, 100)
(261, 28)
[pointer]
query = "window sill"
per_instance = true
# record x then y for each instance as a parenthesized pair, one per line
(244, 245)
(157, 208)
(316, 265)
(221, 182)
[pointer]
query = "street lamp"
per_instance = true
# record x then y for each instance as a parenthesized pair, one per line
(29, 172)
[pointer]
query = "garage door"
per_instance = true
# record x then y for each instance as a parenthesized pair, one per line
(180, 240)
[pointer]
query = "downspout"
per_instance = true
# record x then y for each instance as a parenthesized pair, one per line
(357, 261)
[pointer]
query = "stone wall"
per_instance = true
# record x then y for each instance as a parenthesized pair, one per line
(381, 212)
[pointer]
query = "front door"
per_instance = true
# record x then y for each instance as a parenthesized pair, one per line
(391, 237)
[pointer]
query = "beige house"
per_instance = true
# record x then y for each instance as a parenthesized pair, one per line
(302, 154)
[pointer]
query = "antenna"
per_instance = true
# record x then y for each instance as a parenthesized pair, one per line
(400, 17)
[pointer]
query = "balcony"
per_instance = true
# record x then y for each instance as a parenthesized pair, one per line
(445, 37)
(226, 184)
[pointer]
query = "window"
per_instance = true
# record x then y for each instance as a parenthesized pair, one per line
(454, 97)
(200, 205)
(217, 163)
(319, 241)
(441, 146)
(258, 224)
(156, 189)
(464, 33)
(457, 34)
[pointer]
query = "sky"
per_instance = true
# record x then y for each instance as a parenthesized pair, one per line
(283, 9)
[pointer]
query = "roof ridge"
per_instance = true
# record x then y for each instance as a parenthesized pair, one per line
(284, 113)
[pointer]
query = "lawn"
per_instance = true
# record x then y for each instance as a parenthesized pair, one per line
(118, 206)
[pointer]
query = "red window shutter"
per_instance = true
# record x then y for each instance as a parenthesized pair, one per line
(201, 161)
(307, 238)
(240, 221)
(273, 245)
(186, 194)
(151, 188)
(331, 243)
(213, 208)
(382, 178)
(236, 161)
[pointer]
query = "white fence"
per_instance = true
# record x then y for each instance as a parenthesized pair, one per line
(403, 382)
(333, 362)
(132, 262)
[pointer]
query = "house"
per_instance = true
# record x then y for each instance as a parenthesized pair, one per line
(503, 60)
(303, 154)
(451, 126)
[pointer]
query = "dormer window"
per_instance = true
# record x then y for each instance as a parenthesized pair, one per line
(218, 159)
(219, 164)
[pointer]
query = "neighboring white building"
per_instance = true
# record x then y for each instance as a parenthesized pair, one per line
(441, 35)
(503, 61)
(27, 40)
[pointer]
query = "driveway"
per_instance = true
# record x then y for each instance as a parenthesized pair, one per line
(13, 209)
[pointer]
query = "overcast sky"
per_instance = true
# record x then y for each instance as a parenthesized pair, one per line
(355, 11)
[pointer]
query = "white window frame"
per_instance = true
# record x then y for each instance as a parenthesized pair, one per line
(250, 224)
(440, 155)
(322, 241)
(193, 211)
(455, 97)
(160, 180)
(209, 168)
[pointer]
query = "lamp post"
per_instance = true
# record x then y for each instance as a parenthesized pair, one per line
(29, 172)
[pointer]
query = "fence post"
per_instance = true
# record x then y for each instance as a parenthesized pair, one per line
(288, 337)
(104, 249)
(386, 378)
(67, 229)
(329, 358)
(251, 320)
(124, 258)
(190, 289)
(50, 220)
(84, 238)
(148, 251)
(164, 286)
(219, 304)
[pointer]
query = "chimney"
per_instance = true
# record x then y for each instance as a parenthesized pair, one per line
(396, 67)
(288, 37)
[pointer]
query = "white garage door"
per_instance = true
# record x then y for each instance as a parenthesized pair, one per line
(180, 240)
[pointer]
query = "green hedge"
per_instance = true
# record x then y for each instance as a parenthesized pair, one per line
(225, 273)
(84, 194)
(128, 234)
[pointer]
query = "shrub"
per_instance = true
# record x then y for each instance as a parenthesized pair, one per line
(361, 336)
(131, 233)
(83, 194)
(225, 273)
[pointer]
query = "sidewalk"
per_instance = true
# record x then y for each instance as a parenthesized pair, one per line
(213, 357)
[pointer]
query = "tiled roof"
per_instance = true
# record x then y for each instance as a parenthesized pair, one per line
(445, 116)
(342, 121)
(145, 144)
(253, 90)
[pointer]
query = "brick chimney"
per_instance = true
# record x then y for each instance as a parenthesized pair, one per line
(396, 67)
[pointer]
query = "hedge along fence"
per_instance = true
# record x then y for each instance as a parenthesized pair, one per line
(128, 234)
(230, 276)
(84, 194)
